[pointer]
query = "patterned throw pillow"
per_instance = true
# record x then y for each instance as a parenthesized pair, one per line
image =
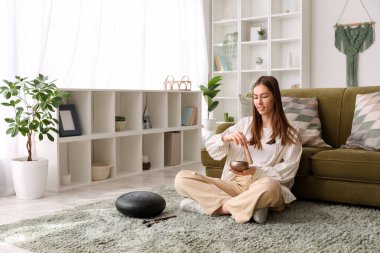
(304, 112)
(365, 132)
(246, 105)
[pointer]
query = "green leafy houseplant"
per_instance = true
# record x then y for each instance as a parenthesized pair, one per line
(209, 92)
(261, 33)
(34, 102)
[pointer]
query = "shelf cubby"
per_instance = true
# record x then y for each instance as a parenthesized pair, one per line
(226, 10)
(192, 99)
(156, 103)
(288, 6)
(82, 101)
(224, 29)
(103, 105)
(285, 28)
(253, 8)
(75, 159)
(128, 155)
(125, 105)
(174, 109)
(153, 147)
(250, 53)
(281, 52)
(188, 145)
(103, 151)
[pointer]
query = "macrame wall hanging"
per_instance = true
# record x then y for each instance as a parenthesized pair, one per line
(352, 39)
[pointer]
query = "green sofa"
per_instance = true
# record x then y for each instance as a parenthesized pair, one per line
(330, 174)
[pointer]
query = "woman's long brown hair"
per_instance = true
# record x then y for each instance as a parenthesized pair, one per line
(280, 124)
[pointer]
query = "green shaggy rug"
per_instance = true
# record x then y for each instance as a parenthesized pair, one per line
(99, 227)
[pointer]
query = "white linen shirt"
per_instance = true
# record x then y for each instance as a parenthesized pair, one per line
(279, 162)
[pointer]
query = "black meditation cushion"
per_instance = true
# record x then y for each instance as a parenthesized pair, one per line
(140, 204)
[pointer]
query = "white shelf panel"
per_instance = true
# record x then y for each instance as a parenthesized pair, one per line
(285, 69)
(226, 22)
(286, 40)
(254, 19)
(286, 15)
(254, 43)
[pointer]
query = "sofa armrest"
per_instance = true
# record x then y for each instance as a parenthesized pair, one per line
(214, 168)
(222, 127)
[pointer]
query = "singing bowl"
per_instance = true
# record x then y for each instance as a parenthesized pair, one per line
(239, 165)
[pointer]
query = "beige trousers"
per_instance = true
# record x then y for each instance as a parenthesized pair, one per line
(241, 196)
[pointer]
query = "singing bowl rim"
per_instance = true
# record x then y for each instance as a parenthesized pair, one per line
(239, 165)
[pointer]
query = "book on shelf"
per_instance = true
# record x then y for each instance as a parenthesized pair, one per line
(224, 62)
(218, 63)
(189, 116)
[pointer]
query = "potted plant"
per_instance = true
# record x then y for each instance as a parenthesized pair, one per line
(34, 104)
(209, 92)
(259, 62)
(261, 33)
(120, 123)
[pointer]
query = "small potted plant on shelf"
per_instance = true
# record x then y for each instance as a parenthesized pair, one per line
(261, 34)
(120, 123)
(34, 103)
(209, 92)
(259, 62)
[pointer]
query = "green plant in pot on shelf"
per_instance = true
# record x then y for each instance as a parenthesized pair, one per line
(34, 103)
(120, 123)
(209, 92)
(261, 34)
(259, 62)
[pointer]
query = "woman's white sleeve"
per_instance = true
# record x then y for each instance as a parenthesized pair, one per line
(217, 148)
(286, 170)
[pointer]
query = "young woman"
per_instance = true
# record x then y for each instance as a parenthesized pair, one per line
(275, 146)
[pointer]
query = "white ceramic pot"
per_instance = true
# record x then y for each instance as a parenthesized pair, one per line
(209, 124)
(29, 177)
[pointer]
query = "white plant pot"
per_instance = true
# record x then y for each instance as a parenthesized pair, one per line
(29, 177)
(209, 124)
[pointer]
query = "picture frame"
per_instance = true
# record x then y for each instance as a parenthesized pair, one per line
(68, 121)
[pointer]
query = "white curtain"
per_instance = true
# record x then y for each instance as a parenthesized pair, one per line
(118, 44)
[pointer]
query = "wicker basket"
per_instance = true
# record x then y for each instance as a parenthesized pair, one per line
(171, 84)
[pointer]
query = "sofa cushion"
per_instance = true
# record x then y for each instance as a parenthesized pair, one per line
(329, 109)
(347, 164)
(304, 111)
(365, 131)
(348, 107)
(246, 105)
(304, 168)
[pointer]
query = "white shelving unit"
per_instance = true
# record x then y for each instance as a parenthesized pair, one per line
(99, 142)
(287, 25)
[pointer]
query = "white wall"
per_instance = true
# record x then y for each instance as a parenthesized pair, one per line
(328, 65)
